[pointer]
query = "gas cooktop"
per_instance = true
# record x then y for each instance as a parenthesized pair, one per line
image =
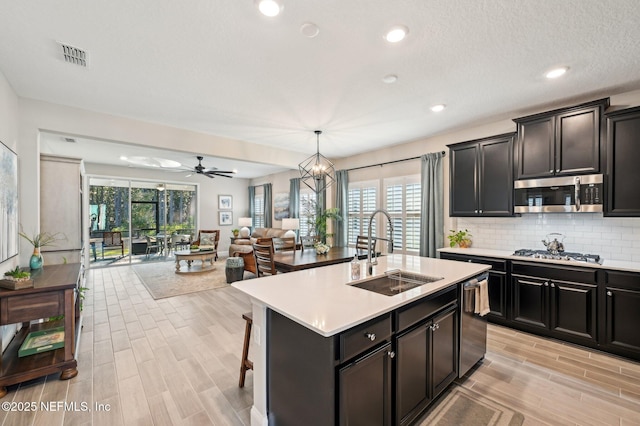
(569, 257)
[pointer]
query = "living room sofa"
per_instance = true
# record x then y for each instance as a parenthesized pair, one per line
(243, 247)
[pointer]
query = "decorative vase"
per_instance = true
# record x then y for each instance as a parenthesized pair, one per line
(464, 244)
(36, 261)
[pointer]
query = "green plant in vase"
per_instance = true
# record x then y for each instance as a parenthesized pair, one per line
(39, 240)
(17, 274)
(460, 238)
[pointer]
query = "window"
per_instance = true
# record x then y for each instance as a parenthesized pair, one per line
(258, 216)
(362, 202)
(403, 201)
(307, 211)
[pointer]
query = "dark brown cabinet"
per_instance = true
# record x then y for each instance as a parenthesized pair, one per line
(561, 142)
(622, 307)
(365, 389)
(623, 151)
(427, 362)
(481, 177)
(498, 289)
(385, 371)
(560, 300)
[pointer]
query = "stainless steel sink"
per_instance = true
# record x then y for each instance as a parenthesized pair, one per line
(395, 282)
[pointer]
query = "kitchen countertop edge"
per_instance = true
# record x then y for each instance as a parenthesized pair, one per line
(323, 300)
(619, 265)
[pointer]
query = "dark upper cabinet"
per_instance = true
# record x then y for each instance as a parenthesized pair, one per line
(623, 173)
(481, 177)
(561, 142)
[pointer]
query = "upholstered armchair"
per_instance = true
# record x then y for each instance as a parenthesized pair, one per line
(208, 239)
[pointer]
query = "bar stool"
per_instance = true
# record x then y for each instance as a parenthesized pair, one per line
(245, 363)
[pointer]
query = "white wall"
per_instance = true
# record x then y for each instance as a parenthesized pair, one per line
(611, 238)
(209, 189)
(9, 136)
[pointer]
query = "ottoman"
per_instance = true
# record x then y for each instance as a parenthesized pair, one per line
(234, 269)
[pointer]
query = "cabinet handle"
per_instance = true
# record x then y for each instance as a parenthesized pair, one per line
(370, 336)
(609, 293)
(551, 171)
(480, 211)
(470, 261)
(557, 170)
(546, 283)
(553, 285)
(391, 354)
(434, 327)
(475, 211)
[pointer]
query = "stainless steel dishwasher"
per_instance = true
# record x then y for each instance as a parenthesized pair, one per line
(473, 327)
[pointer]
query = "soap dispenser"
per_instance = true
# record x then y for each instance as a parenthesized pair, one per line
(355, 268)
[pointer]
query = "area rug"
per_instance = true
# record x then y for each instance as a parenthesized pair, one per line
(464, 407)
(162, 281)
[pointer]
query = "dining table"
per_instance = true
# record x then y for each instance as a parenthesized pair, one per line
(288, 261)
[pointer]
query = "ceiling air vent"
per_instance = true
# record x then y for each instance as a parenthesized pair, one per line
(74, 55)
(70, 140)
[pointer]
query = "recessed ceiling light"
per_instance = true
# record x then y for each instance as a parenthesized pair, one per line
(309, 29)
(396, 33)
(390, 78)
(555, 73)
(438, 108)
(270, 7)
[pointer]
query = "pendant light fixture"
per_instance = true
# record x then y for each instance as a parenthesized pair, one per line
(317, 172)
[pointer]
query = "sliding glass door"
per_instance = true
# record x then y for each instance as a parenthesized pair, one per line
(147, 216)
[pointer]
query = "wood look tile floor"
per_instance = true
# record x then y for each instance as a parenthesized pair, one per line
(176, 361)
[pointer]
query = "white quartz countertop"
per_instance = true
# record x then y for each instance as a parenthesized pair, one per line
(619, 265)
(322, 300)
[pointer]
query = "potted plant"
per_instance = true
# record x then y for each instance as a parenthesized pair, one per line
(235, 232)
(16, 279)
(317, 218)
(39, 240)
(460, 238)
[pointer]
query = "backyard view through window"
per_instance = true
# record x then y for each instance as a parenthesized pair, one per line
(138, 220)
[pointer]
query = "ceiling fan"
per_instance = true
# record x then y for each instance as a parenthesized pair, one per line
(212, 171)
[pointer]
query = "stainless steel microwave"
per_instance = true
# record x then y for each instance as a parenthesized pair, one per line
(559, 194)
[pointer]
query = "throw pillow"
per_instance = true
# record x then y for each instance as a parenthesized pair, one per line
(207, 239)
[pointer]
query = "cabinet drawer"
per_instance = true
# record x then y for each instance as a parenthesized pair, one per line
(424, 308)
(364, 336)
(499, 265)
(564, 273)
(26, 308)
(629, 280)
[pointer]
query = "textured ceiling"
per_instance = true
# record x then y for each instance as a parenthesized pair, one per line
(221, 68)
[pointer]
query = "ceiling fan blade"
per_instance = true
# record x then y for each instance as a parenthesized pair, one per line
(209, 175)
(222, 175)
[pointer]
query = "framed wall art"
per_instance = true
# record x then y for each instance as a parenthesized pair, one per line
(225, 218)
(225, 202)
(8, 203)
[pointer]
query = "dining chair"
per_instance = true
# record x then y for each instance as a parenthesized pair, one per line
(308, 241)
(263, 255)
(362, 244)
(284, 244)
(153, 245)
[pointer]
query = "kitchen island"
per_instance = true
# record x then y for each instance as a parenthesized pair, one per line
(303, 325)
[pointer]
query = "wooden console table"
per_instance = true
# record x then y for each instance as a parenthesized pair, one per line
(53, 294)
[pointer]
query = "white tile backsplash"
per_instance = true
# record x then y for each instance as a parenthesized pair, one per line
(611, 238)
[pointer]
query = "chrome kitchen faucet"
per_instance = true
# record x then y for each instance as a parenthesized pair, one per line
(374, 261)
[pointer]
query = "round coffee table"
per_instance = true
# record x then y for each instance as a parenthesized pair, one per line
(189, 256)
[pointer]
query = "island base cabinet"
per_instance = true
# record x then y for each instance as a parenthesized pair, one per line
(300, 374)
(444, 350)
(427, 362)
(365, 390)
